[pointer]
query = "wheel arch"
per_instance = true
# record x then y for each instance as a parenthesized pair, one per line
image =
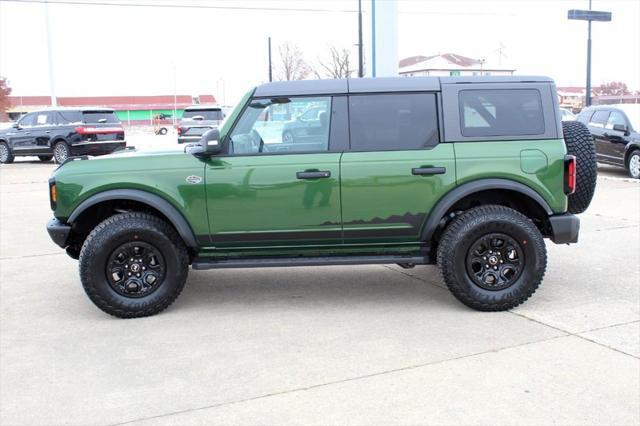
(154, 202)
(628, 150)
(468, 191)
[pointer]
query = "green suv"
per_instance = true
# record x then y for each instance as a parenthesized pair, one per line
(470, 173)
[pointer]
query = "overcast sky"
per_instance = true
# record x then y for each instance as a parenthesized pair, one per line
(104, 50)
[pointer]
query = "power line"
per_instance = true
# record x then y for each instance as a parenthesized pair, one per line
(178, 6)
(159, 5)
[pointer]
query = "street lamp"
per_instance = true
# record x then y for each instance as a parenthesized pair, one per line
(589, 16)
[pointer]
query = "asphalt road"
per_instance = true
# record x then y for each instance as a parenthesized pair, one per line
(326, 345)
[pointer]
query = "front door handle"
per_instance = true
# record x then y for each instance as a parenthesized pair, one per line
(426, 171)
(313, 174)
(47, 131)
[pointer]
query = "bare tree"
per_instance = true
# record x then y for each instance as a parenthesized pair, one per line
(336, 65)
(5, 104)
(292, 64)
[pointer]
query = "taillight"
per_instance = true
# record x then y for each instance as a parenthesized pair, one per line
(570, 174)
(179, 130)
(84, 130)
(53, 193)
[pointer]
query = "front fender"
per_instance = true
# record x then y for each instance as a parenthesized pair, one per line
(152, 200)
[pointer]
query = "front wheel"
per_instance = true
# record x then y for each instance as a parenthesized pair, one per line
(492, 258)
(133, 265)
(633, 164)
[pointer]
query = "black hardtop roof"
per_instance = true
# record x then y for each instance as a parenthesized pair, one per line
(382, 84)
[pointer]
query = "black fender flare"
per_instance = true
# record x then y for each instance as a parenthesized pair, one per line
(163, 206)
(450, 198)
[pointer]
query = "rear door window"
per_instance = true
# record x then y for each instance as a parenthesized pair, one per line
(599, 118)
(501, 112)
(393, 122)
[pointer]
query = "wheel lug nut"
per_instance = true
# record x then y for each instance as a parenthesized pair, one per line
(144, 268)
(486, 266)
(131, 260)
(495, 267)
(484, 257)
(138, 275)
(129, 274)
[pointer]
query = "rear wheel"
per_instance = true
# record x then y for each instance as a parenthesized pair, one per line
(633, 164)
(6, 156)
(133, 265)
(45, 158)
(579, 143)
(492, 258)
(61, 152)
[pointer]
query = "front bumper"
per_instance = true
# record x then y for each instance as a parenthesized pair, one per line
(59, 232)
(97, 148)
(564, 228)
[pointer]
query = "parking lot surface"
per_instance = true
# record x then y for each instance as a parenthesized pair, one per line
(323, 345)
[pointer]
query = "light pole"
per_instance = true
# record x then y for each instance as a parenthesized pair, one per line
(589, 16)
(52, 88)
(360, 58)
(270, 68)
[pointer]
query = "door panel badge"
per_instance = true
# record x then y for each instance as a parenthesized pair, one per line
(193, 179)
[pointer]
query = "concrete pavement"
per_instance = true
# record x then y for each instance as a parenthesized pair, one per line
(327, 345)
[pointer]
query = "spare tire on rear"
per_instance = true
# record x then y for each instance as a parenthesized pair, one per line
(579, 143)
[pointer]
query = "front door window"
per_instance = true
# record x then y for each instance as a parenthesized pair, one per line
(283, 125)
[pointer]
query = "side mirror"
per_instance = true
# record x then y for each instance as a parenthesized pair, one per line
(208, 146)
(16, 125)
(621, 128)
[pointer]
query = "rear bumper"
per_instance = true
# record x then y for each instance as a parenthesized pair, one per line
(564, 228)
(59, 232)
(97, 148)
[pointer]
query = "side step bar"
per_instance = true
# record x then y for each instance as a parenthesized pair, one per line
(270, 262)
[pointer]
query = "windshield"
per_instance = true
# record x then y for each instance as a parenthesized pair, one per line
(202, 114)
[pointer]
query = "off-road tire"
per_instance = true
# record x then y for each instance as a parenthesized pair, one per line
(45, 158)
(61, 152)
(460, 235)
(579, 143)
(111, 234)
(633, 156)
(6, 156)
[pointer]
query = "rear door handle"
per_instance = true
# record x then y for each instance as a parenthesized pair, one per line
(425, 171)
(313, 174)
(47, 131)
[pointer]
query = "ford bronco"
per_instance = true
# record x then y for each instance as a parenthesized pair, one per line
(469, 173)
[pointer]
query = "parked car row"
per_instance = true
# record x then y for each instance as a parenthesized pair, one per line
(62, 132)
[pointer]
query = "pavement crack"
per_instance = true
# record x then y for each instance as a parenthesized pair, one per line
(335, 382)
(578, 333)
(30, 255)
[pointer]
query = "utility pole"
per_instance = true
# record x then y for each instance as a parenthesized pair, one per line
(270, 68)
(588, 91)
(360, 56)
(52, 87)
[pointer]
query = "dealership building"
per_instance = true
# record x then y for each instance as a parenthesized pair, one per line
(132, 110)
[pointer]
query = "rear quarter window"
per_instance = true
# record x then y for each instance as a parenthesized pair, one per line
(501, 112)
